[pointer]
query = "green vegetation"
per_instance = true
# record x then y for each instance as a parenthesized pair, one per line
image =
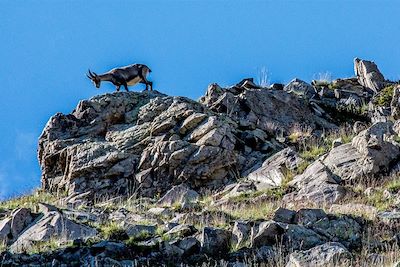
(379, 201)
(393, 186)
(385, 96)
(311, 148)
(313, 152)
(333, 86)
(30, 201)
(46, 246)
(113, 231)
(302, 167)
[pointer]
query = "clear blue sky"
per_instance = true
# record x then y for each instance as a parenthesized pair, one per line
(47, 46)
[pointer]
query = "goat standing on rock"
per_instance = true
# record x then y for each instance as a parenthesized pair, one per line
(124, 76)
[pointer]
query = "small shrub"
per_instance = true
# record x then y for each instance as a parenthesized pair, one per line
(394, 186)
(385, 96)
(113, 231)
(302, 167)
(313, 152)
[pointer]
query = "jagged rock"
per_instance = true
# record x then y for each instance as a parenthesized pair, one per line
(160, 212)
(76, 200)
(189, 245)
(368, 74)
(115, 140)
(371, 152)
(215, 241)
(328, 254)
(300, 88)
(395, 103)
(308, 217)
(182, 230)
(299, 237)
(260, 108)
(343, 229)
(12, 226)
(316, 185)
(179, 194)
(284, 215)
(268, 234)
(234, 190)
(272, 172)
(50, 226)
(241, 233)
(5, 230)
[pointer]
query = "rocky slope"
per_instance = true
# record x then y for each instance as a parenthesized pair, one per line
(290, 175)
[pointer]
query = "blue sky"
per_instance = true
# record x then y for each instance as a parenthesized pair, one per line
(47, 46)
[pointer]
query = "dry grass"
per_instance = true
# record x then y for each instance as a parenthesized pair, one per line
(30, 201)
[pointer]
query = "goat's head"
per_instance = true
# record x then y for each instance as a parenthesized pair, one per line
(95, 78)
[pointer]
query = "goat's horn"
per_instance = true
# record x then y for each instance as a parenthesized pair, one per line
(91, 74)
(95, 73)
(88, 76)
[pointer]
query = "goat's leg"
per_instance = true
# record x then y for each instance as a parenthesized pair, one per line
(117, 87)
(126, 86)
(146, 82)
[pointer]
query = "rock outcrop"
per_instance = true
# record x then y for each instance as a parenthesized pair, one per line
(146, 142)
(368, 75)
(245, 175)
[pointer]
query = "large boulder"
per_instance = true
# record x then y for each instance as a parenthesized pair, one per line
(180, 195)
(372, 151)
(369, 75)
(13, 225)
(316, 185)
(269, 233)
(300, 88)
(328, 254)
(275, 169)
(215, 241)
(50, 226)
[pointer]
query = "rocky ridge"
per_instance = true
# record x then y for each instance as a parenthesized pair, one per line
(247, 175)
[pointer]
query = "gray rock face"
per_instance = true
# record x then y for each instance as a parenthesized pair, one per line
(300, 88)
(146, 142)
(328, 254)
(272, 172)
(368, 74)
(272, 111)
(316, 185)
(268, 234)
(241, 233)
(370, 152)
(395, 103)
(179, 194)
(12, 226)
(215, 241)
(117, 141)
(298, 237)
(284, 215)
(52, 225)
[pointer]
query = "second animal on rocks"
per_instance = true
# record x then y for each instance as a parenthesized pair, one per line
(124, 76)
